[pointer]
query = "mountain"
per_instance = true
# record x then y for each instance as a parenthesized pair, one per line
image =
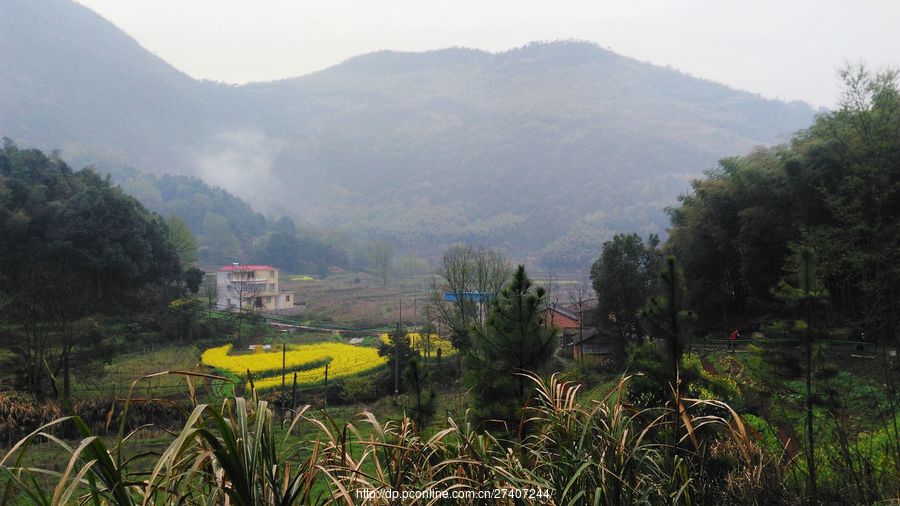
(543, 150)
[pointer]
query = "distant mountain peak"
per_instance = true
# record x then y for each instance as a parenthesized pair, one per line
(549, 147)
(402, 61)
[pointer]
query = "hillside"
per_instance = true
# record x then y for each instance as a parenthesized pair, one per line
(541, 150)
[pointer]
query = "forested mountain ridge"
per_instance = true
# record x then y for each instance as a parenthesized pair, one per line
(544, 150)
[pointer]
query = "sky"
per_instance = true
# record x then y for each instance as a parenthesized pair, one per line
(785, 49)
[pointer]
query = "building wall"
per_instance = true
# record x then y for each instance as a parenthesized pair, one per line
(263, 284)
(583, 352)
(559, 320)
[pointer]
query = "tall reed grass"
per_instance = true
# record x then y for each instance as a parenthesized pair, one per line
(603, 452)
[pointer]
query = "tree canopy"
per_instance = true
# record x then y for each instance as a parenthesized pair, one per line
(512, 341)
(623, 277)
(834, 187)
(73, 246)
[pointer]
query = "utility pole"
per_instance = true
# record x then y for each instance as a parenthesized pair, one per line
(294, 396)
(397, 353)
(427, 334)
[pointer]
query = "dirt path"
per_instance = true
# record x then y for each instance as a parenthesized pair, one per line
(708, 365)
(785, 432)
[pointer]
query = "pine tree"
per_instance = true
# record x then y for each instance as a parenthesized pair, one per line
(422, 398)
(794, 352)
(512, 341)
(665, 319)
(398, 351)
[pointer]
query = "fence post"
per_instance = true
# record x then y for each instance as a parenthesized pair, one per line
(250, 379)
(294, 395)
(326, 386)
(283, 358)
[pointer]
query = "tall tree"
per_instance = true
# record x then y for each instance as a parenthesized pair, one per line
(417, 378)
(398, 351)
(381, 260)
(666, 319)
(182, 240)
(193, 278)
(623, 277)
(210, 291)
(835, 186)
(512, 341)
(472, 277)
(72, 247)
(796, 353)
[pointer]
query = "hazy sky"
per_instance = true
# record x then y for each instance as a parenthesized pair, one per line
(788, 49)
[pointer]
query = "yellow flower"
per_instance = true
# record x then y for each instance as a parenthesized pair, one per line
(343, 360)
(417, 342)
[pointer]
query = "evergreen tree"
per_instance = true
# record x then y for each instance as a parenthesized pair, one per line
(666, 319)
(513, 340)
(72, 248)
(193, 278)
(398, 351)
(792, 350)
(422, 400)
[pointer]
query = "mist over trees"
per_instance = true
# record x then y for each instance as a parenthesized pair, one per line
(212, 226)
(434, 148)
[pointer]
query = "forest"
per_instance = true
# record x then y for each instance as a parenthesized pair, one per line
(791, 250)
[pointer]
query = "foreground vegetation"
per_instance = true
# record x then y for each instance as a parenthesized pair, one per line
(604, 452)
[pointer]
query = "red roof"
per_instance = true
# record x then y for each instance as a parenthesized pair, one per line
(247, 268)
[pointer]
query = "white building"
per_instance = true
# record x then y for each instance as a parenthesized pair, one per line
(251, 286)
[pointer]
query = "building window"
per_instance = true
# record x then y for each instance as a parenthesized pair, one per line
(268, 300)
(271, 287)
(287, 298)
(271, 274)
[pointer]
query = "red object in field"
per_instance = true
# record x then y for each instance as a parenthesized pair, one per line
(734, 335)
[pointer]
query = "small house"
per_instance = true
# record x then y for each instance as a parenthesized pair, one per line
(591, 346)
(251, 287)
(561, 317)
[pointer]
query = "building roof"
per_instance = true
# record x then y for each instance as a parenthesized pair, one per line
(246, 268)
(587, 334)
(563, 311)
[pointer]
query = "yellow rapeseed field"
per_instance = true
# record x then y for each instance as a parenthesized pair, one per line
(344, 360)
(418, 343)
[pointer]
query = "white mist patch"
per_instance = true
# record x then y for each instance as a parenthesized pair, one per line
(240, 161)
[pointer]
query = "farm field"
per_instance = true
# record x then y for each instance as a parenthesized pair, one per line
(431, 345)
(362, 300)
(307, 360)
(359, 299)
